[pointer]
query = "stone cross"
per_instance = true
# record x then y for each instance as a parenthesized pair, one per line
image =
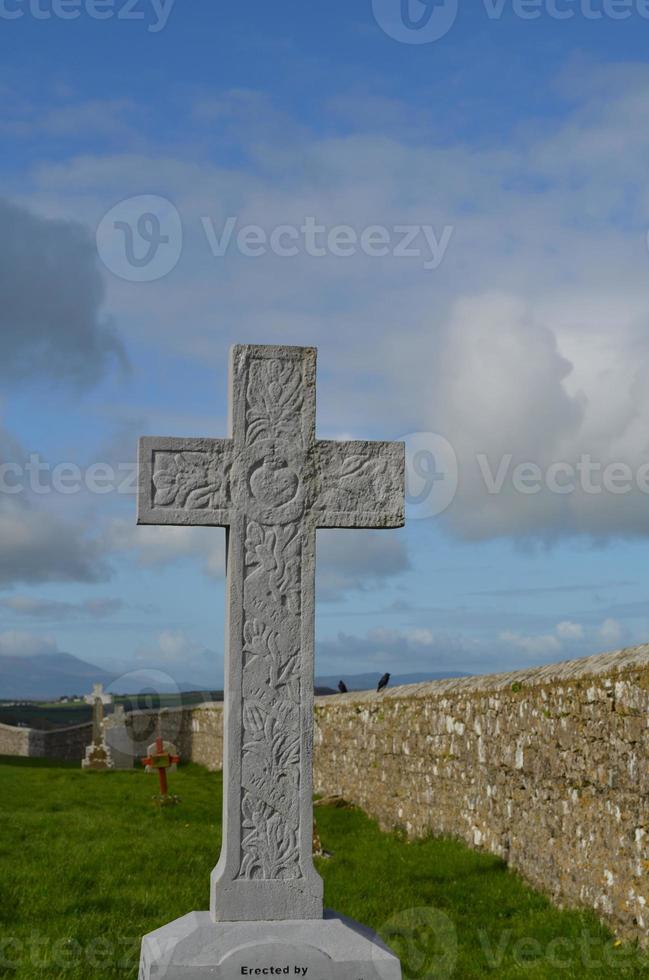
(98, 755)
(98, 699)
(271, 484)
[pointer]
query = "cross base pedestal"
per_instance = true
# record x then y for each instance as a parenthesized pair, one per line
(195, 947)
(97, 757)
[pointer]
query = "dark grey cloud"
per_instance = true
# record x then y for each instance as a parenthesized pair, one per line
(52, 292)
(37, 546)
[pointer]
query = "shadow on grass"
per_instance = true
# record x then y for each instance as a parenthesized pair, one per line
(30, 763)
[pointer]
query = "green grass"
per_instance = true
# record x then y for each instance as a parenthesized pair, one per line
(88, 864)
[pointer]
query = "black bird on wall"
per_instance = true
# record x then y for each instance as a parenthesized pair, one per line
(342, 687)
(383, 682)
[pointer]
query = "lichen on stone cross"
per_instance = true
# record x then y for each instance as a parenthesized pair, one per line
(271, 484)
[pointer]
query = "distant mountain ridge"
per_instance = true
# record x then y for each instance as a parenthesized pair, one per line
(48, 676)
(368, 681)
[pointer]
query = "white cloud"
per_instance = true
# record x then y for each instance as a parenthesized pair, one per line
(172, 646)
(97, 118)
(534, 646)
(15, 643)
(570, 631)
(563, 639)
(181, 657)
(404, 651)
(611, 632)
(530, 340)
(153, 546)
(422, 637)
(542, 645)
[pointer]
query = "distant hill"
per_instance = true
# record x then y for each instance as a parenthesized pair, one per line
(48, 675)
(368, 682)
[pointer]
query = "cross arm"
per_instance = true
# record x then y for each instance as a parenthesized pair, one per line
(360, 484)
(184, 481)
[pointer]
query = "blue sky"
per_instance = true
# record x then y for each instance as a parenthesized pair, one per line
(512, 148)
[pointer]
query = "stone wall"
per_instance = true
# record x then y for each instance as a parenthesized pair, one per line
(14, 741)
(547, 767)
(197, 732)
(67, 744)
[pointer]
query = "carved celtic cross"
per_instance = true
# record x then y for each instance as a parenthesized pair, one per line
(271, 484)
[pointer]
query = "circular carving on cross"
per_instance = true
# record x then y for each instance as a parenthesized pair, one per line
(272, 482)
(273, 479)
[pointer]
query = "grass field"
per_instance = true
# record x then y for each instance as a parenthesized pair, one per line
(88, 864)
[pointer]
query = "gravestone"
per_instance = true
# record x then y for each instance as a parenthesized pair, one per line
(271, 484)
(98, 755)
(120, 742)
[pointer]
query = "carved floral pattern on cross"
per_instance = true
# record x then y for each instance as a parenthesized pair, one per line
(270, 759)
(275, 553)
(262, 648)
(190, 480)
(274, 398)
(345, 479)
